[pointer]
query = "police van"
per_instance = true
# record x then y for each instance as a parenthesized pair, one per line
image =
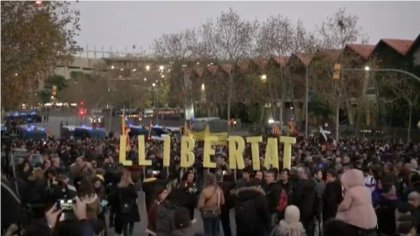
(154, 132)
(82, 132)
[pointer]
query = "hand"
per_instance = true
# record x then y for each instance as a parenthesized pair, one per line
(52, 215)
(11, 230)
(79, 209)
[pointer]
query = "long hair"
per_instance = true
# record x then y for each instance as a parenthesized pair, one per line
(85, 189)
(125, 179)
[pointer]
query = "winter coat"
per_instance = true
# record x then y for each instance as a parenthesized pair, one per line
(386, 214)
(189, 191)
(93, 208)
(263, 217)
(273, 192)
(125, 195)
(166, 222)
(152, 216)
(356, 208)
(290, 226)
(332, 198)
(305, 198)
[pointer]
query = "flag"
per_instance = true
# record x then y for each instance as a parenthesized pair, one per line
(276, 130)
(150, 130)
(123, 128)
(186, 129)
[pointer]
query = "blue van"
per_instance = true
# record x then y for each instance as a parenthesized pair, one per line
(32, 132)
(81, 132)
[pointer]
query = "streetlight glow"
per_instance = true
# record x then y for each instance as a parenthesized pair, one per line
(147, 67)
(154, 85)
(203, 87)
(112, 67)
(122, 69)
(367, 68)
(145, 79)
(163, 76)
(134, 69)
(263, 77)
(161, 68)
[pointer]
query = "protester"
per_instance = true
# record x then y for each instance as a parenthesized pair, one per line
(356, 209)
(251, 211)
(125, 201)
(291, 225)
(333, 195)
(305, 198)
(276, 196)
(227, 185)
(188, 186)
(159, 196)
(210, 202)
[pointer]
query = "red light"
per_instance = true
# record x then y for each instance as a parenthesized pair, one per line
(82, 112)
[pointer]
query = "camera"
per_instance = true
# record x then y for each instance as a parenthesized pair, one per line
(66, 204)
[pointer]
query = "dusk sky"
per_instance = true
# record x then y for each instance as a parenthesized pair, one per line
(121, 25)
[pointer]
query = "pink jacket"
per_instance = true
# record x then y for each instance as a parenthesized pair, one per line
(356, 208)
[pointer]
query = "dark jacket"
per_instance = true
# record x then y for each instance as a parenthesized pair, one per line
(227, 186)
(386, 215)
(305, 198)
(332, 198)
(10, 205)
(189, 192)
(263, 217)
(149, 186)
(273, 192)
(166, 222)
(125, 195)
(288, 187)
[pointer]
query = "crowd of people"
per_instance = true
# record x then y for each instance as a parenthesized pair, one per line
(352, 187)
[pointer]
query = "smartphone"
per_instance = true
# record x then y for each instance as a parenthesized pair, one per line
(66, 204)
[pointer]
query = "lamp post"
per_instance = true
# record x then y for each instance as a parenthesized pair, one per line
(306, 99)
(409, 74)
(154, 102)
(367, 68)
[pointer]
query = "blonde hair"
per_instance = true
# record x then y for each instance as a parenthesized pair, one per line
(125, 179)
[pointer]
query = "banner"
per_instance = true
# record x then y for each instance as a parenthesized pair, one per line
(236, 146)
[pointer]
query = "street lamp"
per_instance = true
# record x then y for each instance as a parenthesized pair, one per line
(112, 67)
(145, 79)
(161, 68)
(154, 102)
(367, 68)
(147, 67)
(263, 77)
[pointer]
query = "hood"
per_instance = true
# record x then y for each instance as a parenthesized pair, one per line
(246, 193)
(352, 178)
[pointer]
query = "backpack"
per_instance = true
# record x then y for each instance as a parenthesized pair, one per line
(246, 216)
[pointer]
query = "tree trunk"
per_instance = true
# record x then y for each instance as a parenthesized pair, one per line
(409, 124)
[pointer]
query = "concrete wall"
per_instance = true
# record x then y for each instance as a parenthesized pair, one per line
(85, 65)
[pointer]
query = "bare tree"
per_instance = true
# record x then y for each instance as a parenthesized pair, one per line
(179, 48)
(278, 37)
(336, 31)
(229, 39)
(406, 89)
